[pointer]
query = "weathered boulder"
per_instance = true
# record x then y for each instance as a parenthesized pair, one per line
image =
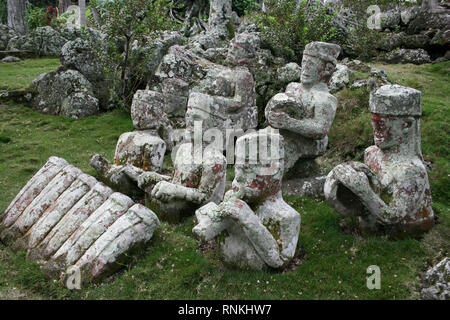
(436, 17)
(78, 55)
(6, 34)
(10, 59)
(143, 149)
(290, 72)
(220, 22)
(149, 55)
(305, 187)
(437, 282)
(243, 48)
(66, 93)
(182, 64)
(45, 41)
(76, 227)
(121, 178)
(415, 56)
(340, 78)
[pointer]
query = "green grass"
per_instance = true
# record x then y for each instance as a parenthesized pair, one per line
(332, 262)
(18, 75)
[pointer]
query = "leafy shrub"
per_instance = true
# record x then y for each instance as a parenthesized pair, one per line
(242, 7)
(125, 22)
(289, 25)
(35, 17)
(3, 12)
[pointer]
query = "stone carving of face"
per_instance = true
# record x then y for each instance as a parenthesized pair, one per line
(311, 69)
(391, 131)
(193, 115)
(315, 70)
(255, 182)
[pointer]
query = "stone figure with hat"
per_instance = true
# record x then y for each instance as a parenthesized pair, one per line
(389, 192)
(305, 112)
(255, 228)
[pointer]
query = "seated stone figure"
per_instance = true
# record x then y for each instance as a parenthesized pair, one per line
(255, 227)
(390, 193)
(305, 112)
(232, 91)
(199, 171)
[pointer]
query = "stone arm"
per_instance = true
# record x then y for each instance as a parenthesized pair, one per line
(149, 179)
(165, 191)
(244, 85)
(213, 219)
(264, 243)
(314, 128)
(214, 170)
(406, 197)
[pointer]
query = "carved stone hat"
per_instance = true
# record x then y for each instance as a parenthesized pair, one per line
(323, 50)
(396, 100)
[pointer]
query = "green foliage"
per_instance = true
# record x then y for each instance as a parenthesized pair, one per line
(288, 26)
(242, 7)
(124, 22)
(3, 12)
(36, 17)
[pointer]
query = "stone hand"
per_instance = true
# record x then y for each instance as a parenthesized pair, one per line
(210, 222)
(356, 181)
(166, 192)
(148, 179)
(363, 168)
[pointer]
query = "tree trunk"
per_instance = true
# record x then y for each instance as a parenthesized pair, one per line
(82, 5)
(63, 5)
(16, 15)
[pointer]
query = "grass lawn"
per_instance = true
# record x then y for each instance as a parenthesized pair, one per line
(331, 264)
(18, 75)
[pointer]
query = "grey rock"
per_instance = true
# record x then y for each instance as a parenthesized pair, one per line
(6, 34)
(243, 48)
(152, 52)
(415, 56)
(305, 187)
(10, 59)
(340, 78)
(43, 40)
(437, 281)
(291, 72)
(67, 93)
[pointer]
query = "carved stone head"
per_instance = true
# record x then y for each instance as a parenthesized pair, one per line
(202, 107)
(319, 62)
(395, 117)
(259, 165)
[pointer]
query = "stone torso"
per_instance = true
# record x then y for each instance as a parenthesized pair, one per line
(399, 177)
(187, 172)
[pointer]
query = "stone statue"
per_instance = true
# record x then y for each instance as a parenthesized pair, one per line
(65, 218)
(199, 171)
(254, 226)
(390, 193)
(305, 112)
